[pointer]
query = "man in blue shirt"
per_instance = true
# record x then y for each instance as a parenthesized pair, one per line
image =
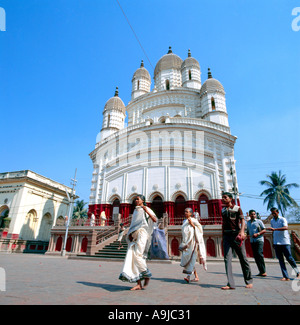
(282, 244)
(255, 230)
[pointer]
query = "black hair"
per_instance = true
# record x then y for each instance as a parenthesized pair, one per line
(274, 209)
(142, 198)
(228, 194)
(250, 211)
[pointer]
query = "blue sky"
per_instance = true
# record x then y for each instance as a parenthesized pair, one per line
(60, 61)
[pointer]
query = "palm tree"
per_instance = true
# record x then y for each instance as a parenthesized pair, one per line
(277, 192)
(79, 210)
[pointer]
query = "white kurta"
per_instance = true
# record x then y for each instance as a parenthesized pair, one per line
(135, 267)
(192, 240)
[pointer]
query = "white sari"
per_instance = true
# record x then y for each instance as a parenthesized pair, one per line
(141, 228)
(193, 246)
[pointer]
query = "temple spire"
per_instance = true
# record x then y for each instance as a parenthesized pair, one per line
(209, 74)
(117, 92)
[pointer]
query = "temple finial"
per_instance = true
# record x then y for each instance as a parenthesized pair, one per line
(209, 74)
(117, 92)
(170, 50)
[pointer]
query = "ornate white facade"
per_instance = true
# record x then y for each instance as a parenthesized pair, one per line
(33, 204)
(176, 150)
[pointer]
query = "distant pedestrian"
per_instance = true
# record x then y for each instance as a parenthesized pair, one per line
(282, 244)
(92, 221)
(233, 230)
(255, 230)
(102, 219)
(197, 215)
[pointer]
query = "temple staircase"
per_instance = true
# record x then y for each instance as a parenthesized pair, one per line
(111, 251)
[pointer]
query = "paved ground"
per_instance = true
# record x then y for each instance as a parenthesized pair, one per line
(39, 279)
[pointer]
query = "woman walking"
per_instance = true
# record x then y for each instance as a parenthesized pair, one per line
(139, 239)
(192, 245)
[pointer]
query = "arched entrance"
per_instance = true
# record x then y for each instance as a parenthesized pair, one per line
(174, 247)
(115, 211)
(203, 207)
(45, 227)
(210, 247)
(4, 212)
(267, 249)
(29, 227)
(179, 210)
(58, 244)
(157, 206)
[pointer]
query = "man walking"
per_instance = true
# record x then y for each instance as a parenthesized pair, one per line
(233, 230)
(255, 230)
(282, 244)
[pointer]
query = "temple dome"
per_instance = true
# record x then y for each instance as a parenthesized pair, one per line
(115, 103)
(142, 72)
(168, 61)
(211, 85)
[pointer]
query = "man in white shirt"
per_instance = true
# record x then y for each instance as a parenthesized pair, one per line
(282, 244)
(196, 215)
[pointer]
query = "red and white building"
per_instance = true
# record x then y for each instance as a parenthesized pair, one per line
(177, 149)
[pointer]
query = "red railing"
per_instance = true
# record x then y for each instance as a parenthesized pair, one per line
(98, 222)
(177, 220)
(204, 221)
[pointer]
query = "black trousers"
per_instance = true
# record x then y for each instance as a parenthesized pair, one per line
(258, 254)
(229, 244)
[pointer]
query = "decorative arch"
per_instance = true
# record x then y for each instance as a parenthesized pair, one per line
(45, 227)
(3, 209)
(210, 247)
(176, 194)
(131, 196)
(58, 245)
(60, 221)
(29, 227)
(157, 205)
(114, 197)
(152, 195)
(202, 192)
(174, 247)
(162, 119)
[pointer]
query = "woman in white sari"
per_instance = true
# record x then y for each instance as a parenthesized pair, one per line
(139, 239)
(192, 245)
